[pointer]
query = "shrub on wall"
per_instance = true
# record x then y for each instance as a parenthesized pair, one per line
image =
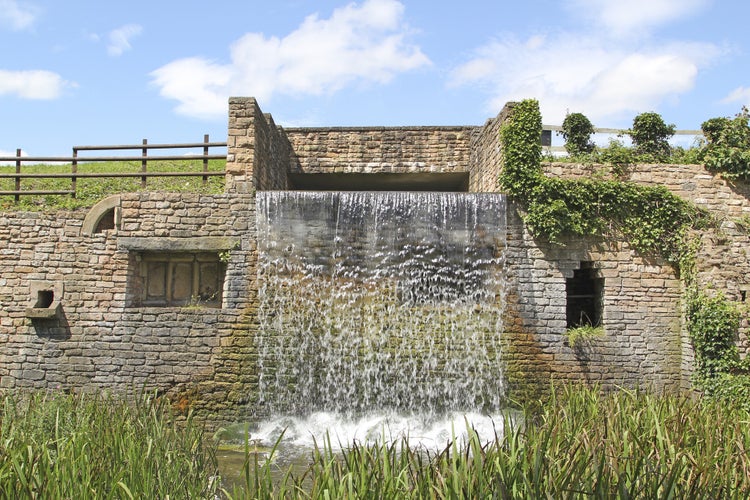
(651, 135)
(577, 130)
(728, 145)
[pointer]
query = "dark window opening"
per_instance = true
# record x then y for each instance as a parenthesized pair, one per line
(181, 279)
(106, 222)
(584, 291)
(743, 295)
(44, 298)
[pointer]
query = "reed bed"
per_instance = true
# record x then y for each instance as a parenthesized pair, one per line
(55, 445)
(582, 444)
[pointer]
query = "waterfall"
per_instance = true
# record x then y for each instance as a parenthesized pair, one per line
(379, 301)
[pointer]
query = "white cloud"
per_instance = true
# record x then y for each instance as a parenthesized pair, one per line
(619, 18)
(17, 15)
(606, 78)
(119, 39)
(32, 84)
(359, 43)
(740, 95)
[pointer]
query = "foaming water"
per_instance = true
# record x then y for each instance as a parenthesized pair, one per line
(378, 303)
(301, 434)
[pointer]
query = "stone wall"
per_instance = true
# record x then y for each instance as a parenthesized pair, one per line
(205, 358)
(722, 259)
(379, 149)
(642, 345)
(96, 341)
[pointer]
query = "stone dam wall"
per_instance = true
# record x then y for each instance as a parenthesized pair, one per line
(167, 297)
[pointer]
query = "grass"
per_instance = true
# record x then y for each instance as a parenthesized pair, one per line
(91, 190)
(583, 444)
(55, 445)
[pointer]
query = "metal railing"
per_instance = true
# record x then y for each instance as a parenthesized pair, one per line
(76, 159)
(549, 129)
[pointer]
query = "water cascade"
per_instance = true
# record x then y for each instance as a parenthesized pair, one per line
(376, 302)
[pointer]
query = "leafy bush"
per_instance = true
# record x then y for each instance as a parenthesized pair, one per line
(728, 148)
(577, 130)
(651, 135)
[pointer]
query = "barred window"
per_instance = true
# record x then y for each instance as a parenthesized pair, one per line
(181, 279)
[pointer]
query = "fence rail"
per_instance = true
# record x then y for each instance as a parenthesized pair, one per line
(548, 129)
(76, 159)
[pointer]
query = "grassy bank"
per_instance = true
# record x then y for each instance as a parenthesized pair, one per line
(91, 190)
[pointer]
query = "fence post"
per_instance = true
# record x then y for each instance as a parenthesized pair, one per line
(205, 158)
(17, 196)
(144, 163)
(74, 171)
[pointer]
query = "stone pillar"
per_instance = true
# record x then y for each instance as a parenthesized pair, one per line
(259, 153)
(243, 113)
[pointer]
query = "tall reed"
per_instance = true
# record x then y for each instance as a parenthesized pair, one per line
(54, 445)
(582, 444)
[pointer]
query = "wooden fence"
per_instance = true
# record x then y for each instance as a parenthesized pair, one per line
(77, 159)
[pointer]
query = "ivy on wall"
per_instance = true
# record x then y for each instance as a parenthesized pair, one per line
(652, 218)
(654, 221)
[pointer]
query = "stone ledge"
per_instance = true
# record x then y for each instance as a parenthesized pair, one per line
(167, 244)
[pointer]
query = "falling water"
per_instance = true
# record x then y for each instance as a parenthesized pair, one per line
(380, 301)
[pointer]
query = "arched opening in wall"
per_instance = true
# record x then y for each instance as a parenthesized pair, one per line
(103, 216)
(585, 297)
(381, 181)
(106, 222)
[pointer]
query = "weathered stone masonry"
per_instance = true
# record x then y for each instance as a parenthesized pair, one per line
(203, 357)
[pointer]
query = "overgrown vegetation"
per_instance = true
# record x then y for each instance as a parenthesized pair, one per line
(728, 148)
(651, 136)
(713, 323)
(582, 444)
(56, 445)
(91, 190)
(577, 130)
(652, 218)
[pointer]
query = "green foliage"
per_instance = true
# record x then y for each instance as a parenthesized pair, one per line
(583, 334)
(582, 443)
(651, 135)
(713, 323)
(76, 446)
(522, 150)
(577, 130)
(728, 148)
(653, 219)
(616, 153)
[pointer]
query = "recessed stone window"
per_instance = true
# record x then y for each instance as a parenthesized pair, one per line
(181, 279)
(585, 297)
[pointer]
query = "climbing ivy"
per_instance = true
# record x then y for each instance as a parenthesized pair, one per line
(712, 324)
(653, 219)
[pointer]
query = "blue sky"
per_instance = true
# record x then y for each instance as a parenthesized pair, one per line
(80, 72)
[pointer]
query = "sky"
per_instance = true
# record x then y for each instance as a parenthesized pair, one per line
(79, 72)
